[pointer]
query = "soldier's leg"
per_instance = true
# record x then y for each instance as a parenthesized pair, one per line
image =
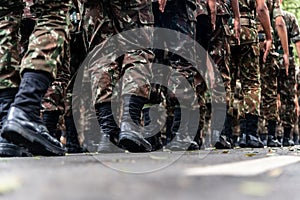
(103, 69)
(287, 99)
(136, 72)
(10, 18)
(269, 110)
(219, 51)
(53, 101)
(250, 80)
(38, 69)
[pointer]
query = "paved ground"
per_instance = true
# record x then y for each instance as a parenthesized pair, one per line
(207, 174)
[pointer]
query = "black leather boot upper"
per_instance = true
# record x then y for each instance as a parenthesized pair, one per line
(21, 130)
(50, 119)
(109, 129)
(8, 149)
(272, 141)
(24, 125)
(253, 140)
(226, 139)
(181, 128)
(32, 88)
(131, 136)
(152, 130)
(72, 143)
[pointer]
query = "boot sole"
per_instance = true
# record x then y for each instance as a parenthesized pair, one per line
(254, 145)
(11, 150)
(134, 144)
(220, 145)
(36, 144)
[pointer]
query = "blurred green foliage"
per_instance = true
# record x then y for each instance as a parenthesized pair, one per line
(293, 6)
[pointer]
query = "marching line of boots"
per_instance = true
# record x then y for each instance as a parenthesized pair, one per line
(44, 44)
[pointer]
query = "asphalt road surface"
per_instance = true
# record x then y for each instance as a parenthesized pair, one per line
(207, 174)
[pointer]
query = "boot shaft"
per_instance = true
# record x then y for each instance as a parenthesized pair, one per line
(32, 88)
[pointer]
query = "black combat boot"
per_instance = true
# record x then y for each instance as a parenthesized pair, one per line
(199, 140)
(225, 139)
(194, 130)
(180, 130)
(72, 141)
(8, 149)
(253, 140)
(50, 119)
(296, 138)
(24, 126)
(272, 141)
(286, 140)
(152, 130)
(243, 140)
(109, 129)
(131, 136)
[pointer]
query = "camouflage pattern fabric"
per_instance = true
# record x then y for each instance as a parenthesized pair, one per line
(10, 18)
(286, 84)
(179, 16)
(245, 60)
(47, 44)
(55, 96)
(269, 70)
(101, 21)
(286, 89)
(219, 50)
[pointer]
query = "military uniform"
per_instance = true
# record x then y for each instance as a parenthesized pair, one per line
(269, 72)
(245, 61)
(180, 16)
(286, 84)
(103, 19)
(219, 50)
(46, 52)
(53, 101)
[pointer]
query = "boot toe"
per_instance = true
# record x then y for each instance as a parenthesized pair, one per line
(22, 131)
(254, 142)
(223, 143)
(133, 142)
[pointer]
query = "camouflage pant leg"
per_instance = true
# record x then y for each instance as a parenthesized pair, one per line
(107, 66)
(184, 76)
(46, 49)
(54, 99)
(246, 58)
(286, 86)
(136, 66)
(10, 18)
(219, 51)
(77, 54)
(103, 68)
(268, 73)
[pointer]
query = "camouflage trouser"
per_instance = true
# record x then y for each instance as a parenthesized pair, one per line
(286, 89)
(55, 96)
(219, 51)
(269, 73)
(47, 44)
(104, 19)
(178, 17)
(245, 58)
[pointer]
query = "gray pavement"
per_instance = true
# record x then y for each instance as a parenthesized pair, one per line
(227, 174)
